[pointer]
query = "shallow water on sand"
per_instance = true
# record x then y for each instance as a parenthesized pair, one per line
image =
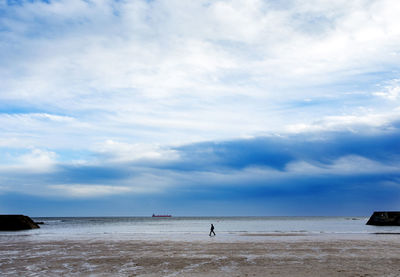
(192, 228)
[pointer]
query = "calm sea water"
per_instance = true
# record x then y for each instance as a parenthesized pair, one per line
(191, 228)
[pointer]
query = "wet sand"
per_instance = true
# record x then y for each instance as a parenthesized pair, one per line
(372, 255)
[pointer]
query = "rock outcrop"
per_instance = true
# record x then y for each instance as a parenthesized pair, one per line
(16, 222)
(384, 219)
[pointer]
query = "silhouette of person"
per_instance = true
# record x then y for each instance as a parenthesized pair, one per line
(212, 230)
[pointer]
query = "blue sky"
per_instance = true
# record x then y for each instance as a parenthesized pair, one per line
(199, 107)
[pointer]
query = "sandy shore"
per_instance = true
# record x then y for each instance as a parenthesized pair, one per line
(373, 255)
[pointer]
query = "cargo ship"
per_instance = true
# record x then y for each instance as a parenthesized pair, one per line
(161, 215)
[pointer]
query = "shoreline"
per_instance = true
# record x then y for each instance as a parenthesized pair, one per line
(31, 236)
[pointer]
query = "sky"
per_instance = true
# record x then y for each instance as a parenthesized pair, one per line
(225, 107)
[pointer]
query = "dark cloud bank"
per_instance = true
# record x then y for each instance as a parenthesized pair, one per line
(244, 176)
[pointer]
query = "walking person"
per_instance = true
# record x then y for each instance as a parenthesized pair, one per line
(212, 230)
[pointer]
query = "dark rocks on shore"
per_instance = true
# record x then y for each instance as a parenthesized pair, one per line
(16, 222)
(384, 219)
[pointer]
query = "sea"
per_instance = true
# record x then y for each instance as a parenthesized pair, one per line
(192, 228)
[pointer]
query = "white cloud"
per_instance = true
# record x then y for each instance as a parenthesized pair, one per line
(164, 72)
(79, 190)
(361, 122)
(36, 161)
(119, 151)
(390, 91)
(41, 130)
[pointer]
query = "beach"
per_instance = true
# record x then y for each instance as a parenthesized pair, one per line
(133, 130)
(249, 255)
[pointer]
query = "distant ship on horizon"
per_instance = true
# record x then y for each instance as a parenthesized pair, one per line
(161, 215)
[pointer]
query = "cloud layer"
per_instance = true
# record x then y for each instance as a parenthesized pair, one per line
(279, 101)
(332, 170)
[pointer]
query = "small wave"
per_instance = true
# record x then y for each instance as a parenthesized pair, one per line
(52, 221)
(274, 234)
